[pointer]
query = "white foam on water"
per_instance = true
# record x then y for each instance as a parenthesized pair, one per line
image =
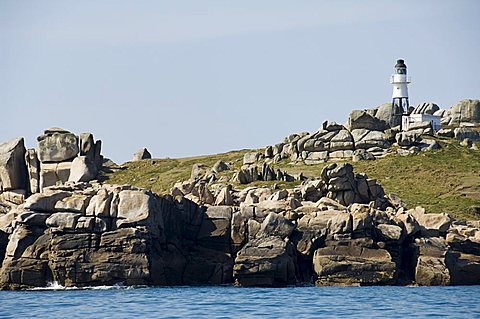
(50, 286)
(56, 286)
(116, 286)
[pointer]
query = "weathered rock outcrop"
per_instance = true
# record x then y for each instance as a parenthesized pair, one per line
(84, 234)
(343, 186)
(465, 111)
(57, 153)
(266, 261)
(83, 169)
(430, 261)
(62, 156)
(212, 185)
(33, 168)
(426, 108)
(57, 145)
(387, 113)
(57, 225)
(374, 131)
(333, 141)
(463, 239)
(90, 234)
(353, 263)
(462, 133)
(13, 170)
(363, 119)
(141, 154)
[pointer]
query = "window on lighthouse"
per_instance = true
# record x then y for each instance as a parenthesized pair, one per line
(401, 71)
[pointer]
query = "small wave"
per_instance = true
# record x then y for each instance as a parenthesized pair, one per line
(116, 286)
(56, 286)
(51, 286)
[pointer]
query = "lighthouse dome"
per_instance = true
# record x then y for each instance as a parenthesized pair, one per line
(400, 64)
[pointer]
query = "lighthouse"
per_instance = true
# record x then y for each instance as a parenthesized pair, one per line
(399, 81)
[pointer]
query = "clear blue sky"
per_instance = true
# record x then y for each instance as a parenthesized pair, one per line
(192, 77)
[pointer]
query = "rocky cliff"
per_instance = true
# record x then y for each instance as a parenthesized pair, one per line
(85, 234)
(58, 223)
(338, 230)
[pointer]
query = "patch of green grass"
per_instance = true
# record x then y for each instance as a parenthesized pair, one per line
(437, 180)
(159, 175)
(447, 180)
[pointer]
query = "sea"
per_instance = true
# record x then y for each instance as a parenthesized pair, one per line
(232, 302)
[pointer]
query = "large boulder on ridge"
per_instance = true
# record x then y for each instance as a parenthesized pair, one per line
(141, 154)
(87, 145)
(366, 139)
(464, 111)
(343, 186)
(426, 108)
(13, 170)
(361, 119)
(57, 145)
(462, 133)
(82, 170)
(386, 113)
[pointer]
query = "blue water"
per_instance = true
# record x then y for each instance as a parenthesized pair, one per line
(230, 302)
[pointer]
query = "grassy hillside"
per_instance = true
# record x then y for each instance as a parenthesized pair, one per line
(447, 180)
(160, 175)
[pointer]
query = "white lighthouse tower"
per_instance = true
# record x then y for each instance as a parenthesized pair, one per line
(400, 83)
